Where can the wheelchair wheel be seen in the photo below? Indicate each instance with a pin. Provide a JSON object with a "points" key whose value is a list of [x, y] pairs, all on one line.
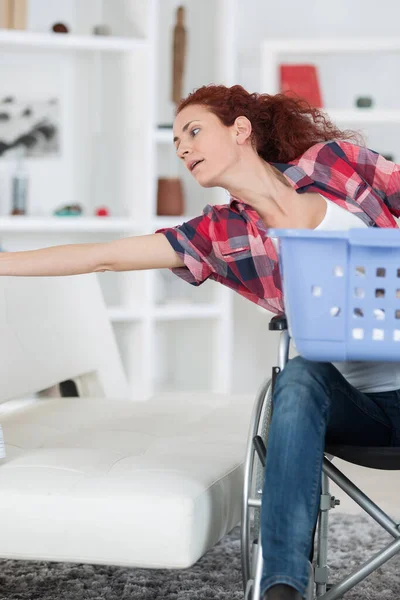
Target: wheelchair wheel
{"points": [[253, 485]]}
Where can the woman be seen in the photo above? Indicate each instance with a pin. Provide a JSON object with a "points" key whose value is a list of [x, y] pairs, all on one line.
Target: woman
{"points": [[284, 165]]}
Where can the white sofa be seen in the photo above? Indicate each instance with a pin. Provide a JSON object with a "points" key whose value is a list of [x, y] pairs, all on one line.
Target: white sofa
{"points": [[102, 478]]}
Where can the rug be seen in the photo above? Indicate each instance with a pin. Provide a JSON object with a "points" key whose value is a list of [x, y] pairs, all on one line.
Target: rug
{"points": [[217, 575]]}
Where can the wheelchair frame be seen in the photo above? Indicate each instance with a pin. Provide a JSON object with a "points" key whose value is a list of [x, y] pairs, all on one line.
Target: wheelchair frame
{"points": [[251, 545]]}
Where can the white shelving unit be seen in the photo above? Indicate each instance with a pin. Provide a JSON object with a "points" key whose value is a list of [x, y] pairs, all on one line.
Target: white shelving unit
{"points": [[19, 224], [365, 115], [163, 136], [273, 52], [170, 336], [212, 305], [30, 40]]}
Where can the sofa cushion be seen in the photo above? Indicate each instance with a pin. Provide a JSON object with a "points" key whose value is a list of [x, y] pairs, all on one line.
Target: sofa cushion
{"points": [[150, 484]]}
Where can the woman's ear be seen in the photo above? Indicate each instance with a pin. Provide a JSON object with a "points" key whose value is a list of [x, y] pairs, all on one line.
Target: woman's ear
{"points": [[242, 129]]}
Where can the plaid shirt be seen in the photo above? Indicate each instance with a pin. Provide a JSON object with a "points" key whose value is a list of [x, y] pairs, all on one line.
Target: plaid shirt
{"points": [[229, 243]]}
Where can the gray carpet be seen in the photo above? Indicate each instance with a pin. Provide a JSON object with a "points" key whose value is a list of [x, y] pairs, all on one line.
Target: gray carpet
{"points": [[217, 575]]}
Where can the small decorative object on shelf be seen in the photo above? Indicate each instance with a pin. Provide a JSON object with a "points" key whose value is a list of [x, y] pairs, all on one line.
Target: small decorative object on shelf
{"points": [[301, 81], [18, 14], [170, 200], [20, 185], [102, 211], [60, 28], [165, 127], [364, 102], [179, 51], [69, 210], [6, 14], [13, 14], [101, 30]]}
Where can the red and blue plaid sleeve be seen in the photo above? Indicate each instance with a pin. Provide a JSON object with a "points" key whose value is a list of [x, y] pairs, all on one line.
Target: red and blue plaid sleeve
{"points": [[381, 174], [191, 241]]}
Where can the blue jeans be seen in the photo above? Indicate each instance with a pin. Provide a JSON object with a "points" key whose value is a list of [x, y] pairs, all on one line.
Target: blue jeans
{"points": [[313, 404]]}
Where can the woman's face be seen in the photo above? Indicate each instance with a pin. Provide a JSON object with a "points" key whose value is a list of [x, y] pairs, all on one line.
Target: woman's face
{"points": [[200, 137]]}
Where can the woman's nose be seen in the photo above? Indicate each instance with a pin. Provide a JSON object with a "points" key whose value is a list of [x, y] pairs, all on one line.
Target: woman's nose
{"points": [[184, 150]]}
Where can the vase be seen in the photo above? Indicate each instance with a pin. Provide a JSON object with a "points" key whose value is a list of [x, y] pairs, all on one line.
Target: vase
{"points": [[170, 201]]}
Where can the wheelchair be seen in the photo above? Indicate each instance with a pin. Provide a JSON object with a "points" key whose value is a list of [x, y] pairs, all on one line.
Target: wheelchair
{"points": [[386, 458]]}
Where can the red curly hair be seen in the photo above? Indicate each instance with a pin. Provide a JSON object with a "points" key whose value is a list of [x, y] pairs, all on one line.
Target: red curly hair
{"points": [[283, 126]]}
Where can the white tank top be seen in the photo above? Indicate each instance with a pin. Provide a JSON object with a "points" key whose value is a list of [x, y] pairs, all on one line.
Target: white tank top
{"points": [[365, 376]]}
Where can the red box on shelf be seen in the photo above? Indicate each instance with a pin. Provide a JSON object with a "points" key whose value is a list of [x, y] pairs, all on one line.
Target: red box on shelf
{"points": [[301, 80]]}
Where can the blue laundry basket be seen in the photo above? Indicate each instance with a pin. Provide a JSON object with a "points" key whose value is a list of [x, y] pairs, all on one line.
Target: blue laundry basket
{"points": [[342, 292]]}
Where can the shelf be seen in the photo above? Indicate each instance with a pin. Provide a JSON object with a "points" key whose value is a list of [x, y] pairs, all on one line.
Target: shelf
{"points": [[87, 224], [159, 222], [364, 115], [336, 45], [177, 312], [164, 136], [68, 224], [67, 41], [117, 314], [172, 312]]}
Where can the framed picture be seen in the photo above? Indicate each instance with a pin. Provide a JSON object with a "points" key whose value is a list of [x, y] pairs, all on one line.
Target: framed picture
{"points": [[33, 124]]}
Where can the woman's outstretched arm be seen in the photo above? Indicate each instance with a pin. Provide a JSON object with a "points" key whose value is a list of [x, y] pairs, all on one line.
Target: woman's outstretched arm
{"points": [[126, 254]]}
